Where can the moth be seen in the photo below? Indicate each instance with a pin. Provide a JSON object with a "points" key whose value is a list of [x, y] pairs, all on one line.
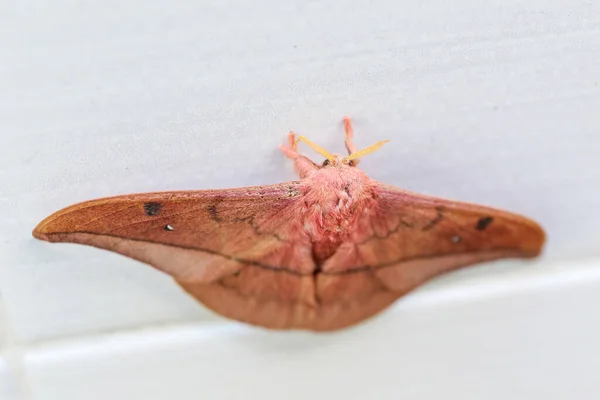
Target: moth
{"points": [[320, 253]]}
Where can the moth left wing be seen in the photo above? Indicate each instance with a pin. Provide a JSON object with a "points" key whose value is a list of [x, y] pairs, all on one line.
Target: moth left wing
{"points": [[191, 235], [238, 251]]}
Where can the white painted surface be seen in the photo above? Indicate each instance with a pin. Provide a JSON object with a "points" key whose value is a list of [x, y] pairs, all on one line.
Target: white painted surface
{"points": [[494, 102], [9, 387], [528, 342], [8, 384]]}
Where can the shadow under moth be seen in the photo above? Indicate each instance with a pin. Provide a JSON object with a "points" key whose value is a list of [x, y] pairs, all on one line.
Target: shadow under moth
{"points": [[320, 253]]}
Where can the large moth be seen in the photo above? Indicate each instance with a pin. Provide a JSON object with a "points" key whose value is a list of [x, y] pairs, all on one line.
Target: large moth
{"points": [[320, 253]]}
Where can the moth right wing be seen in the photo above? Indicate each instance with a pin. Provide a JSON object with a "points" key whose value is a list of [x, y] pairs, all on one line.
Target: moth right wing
{"points": [[409, 239]]}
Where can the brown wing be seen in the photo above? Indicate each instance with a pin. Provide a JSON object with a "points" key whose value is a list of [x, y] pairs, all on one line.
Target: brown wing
{"points": [[191, 235], [243, 253], [239, 251], [412, 238]]}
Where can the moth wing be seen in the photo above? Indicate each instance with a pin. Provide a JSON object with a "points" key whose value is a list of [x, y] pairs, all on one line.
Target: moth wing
{"points": [[410, 238], [237, 251], [241, 252]]}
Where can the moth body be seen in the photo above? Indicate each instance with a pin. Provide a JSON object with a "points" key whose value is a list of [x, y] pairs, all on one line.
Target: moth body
{"points": [[333, 198]]}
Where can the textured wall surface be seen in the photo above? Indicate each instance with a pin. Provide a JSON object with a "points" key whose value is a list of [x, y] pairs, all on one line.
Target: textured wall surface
{"points": [[494, 102]]}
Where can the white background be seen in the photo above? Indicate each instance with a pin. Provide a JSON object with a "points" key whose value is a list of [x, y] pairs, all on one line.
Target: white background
{"points": [[494, 102]]}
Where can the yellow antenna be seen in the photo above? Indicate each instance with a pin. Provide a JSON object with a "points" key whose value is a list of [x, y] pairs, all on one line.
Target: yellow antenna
{"points": [[315, 147], [365, 151]]}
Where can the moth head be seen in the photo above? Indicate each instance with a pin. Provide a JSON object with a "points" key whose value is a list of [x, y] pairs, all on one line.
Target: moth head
{"points": [[338, 161], [335, 160]]}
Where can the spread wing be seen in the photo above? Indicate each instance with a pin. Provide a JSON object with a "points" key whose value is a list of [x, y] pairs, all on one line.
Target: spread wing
{"points": [[191, 235], [411, 238], [239, 251], [244, 253]]}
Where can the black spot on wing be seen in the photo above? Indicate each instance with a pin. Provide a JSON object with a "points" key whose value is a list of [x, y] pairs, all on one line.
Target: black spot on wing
{"points": [[483, 223], [152, 208]]}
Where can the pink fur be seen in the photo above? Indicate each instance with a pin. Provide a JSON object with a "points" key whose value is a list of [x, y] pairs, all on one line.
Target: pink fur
{"points": [[334, 197]]}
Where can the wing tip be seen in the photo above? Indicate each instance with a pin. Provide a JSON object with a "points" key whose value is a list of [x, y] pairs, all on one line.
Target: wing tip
{"points": [[42, 232], [58, 225], [51, 228], [38, 234], [537, 241]]}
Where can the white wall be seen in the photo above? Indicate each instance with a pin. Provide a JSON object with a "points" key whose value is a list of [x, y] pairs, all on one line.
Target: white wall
{"points": [[494, 102]]}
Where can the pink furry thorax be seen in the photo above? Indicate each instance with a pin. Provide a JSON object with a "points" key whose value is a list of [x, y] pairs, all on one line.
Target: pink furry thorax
{"points": [[334, 198]]}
